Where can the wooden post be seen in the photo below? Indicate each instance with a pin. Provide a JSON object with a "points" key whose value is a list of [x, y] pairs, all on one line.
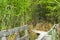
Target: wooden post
{"points": [[26, 33], [4, 35], [54, 32], [4, 38], [17, 35], [47, 37]]}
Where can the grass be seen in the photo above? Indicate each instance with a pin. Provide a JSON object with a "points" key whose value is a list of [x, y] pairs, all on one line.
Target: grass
{"points": [[11, 37]]}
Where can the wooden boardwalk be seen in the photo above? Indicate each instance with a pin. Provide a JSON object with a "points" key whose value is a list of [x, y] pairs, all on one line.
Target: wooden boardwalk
{"points": [[5, 33], [49, 35]]}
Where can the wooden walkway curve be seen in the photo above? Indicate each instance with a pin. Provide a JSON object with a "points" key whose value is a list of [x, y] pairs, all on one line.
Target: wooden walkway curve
{"points": [[49, 35], [46, 36]]}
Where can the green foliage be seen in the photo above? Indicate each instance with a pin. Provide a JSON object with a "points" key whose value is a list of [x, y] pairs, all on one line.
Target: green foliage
{"points": [[14, 12]]}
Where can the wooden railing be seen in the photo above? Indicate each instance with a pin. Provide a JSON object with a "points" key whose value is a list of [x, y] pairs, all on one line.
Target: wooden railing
{"points": [[49, 35], [5, 33], [52, 33]]}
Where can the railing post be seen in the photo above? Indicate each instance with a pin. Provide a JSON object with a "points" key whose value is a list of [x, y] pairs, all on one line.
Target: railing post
{"points": [[47, 37], [4, 35], [26, 33], [4, 38], [17, 34], [54, 32]]}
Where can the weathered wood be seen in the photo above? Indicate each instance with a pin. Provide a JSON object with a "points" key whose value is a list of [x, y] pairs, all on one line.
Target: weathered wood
{"points": [[5, 33], [47, 37], [4, 38], [26, 33], [53, 32]]}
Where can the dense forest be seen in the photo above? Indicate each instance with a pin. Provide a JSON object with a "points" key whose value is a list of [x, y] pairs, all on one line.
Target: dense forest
{"points": [[14, 13]]}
